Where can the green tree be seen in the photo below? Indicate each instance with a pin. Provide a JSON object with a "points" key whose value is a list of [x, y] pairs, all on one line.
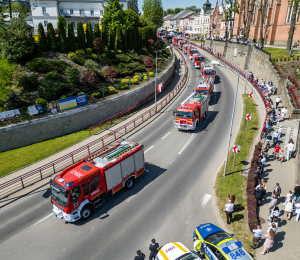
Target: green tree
{"points": [[51, 38], [138, 38], [89, 36], [112, 40], [134, 39], [97, 31], [129, 39], [71, 38], [104, 34], [295, 12], [143, 22], [177, 10], [153, 12], [119, 39], [170, 11], [80, 37], [131, 19], [17, 7], [125, 39], [133, 5], [114, 15], [16, 42], [143, 37], [61, 25], [73, 75], [42, 38]]}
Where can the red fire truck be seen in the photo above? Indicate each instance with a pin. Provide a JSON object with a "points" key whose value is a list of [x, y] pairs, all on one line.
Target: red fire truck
{"points": [[191, 112], [186, 47], [182, 43], [198, 60], [175, 40], [206, 86], [191, 52], [208, 71], [81, 188]]}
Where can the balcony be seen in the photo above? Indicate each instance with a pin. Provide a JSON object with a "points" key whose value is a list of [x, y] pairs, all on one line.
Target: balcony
{"points": [[82, 14]]}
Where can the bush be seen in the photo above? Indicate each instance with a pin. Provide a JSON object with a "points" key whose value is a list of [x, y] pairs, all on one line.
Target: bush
{"points": [[123, 58], [118, 51], [112, 51], [105, 48], [134, 81], [63, 97], [96, 95], [98, 44], [111, 90], [91, 65], [43, 65], [78, 59], [89, 50], [71, 54], [148, 61], [90, 79], [151, 74], [28, 83], [73, 75], [40, 101], [125, 81], [144, 49], [122, 86], [103, 55], [109, 73], [94, 56], [53, 86], [80, 93], [80, 52]]}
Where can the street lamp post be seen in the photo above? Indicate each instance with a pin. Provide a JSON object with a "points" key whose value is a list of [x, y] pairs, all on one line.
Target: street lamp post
{"points": [[232, 117], [168, 47]]}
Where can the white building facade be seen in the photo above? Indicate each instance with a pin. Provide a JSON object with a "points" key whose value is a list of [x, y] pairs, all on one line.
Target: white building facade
{"points": [[85, 11]]}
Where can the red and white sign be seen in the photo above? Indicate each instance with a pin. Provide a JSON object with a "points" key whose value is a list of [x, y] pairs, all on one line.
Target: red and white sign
{"points": [[251, 95], [235, 149], [159, 87], [248, 116]]}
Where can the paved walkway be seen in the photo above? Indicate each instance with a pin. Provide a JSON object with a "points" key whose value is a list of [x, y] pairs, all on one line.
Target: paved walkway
{"points": [[286, 244]]}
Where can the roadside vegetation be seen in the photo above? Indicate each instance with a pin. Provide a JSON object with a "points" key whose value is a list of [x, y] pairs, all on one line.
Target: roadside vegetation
{"points": [[281, 54], [234, 182]]}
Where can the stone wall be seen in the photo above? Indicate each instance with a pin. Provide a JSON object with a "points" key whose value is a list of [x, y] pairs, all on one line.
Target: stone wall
{"points": [[33, 131]]}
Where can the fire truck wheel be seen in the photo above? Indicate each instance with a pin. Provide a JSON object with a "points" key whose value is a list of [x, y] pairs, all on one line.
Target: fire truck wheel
{"points": [[86, 212], [129, 183]]}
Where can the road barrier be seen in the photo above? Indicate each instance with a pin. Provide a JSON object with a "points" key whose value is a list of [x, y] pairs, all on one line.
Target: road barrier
{"points": [[69, 159]]}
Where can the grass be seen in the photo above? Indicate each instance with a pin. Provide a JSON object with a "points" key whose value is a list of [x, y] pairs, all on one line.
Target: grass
{"points": [[280, 53], [6, 70], [234, 182], [35, 152]]}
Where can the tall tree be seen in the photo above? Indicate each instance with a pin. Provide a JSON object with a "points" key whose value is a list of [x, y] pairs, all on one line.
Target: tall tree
{"points": [[80, 37], [131, 19], [71, 38], [51, 38], [133, 5], [114, 15], [119, 39], [263, 4], [230, 8], [112, 40], [61, 25], [125, 40], [143, 22], [153, 12], [104, 34], [129, 39], [89, 36], [296, 7], [138, 37], [42, 38], [134, 38], [97, 31]]}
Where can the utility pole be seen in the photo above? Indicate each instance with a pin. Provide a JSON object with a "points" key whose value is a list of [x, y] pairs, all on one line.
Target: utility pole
{"points": [[10, 14]]}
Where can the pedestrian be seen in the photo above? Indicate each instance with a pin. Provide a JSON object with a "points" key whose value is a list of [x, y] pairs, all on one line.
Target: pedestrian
{"points": [[275, 221], [262, 184], [272, 227], [263, 162], [266, 149], [274, 213], [257, 175], [280, 131], [283, 113], [175, 73], [154, 247], [272, 204], [268, 242], [289, 206], [257, 236], [278, 115], [140, 255], [281, 155], [289, 149], [287, 197], [197, 245], [181, 60], [277, 191], [296, 192], [277, 101], [275, 137], [229, 207], [273, 89], [259, 195], [297, 211], [269, 137]]}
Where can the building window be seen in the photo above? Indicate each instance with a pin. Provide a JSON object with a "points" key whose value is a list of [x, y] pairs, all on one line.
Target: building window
{"points": [[71, 11], [92, 12], [45, 23], [43, 10], [61, 11], [289, 14], [101, 12]]}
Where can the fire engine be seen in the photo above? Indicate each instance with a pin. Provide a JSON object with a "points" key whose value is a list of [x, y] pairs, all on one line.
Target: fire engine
{"points": [[191, 52], [206, 86], [185, 48], [208, 70], [191, 112], [175, 40], [198, 60], [182, 43], [81, 188]]}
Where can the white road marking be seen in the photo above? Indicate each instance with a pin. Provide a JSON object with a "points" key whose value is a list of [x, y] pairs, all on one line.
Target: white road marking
{"points": [[43, 219], [146, 170], [166, 135], [130, 198], [172, 161], [149, 148], [204, 200], [187, 143]]}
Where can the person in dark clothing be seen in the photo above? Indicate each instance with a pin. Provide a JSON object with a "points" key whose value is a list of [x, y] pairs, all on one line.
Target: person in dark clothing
{"points": [[140, 255], [154, 247], [259, 194], [257, 175]]}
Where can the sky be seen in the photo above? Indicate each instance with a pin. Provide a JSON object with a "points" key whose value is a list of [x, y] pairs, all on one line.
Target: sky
{"points": [[179, 3]]}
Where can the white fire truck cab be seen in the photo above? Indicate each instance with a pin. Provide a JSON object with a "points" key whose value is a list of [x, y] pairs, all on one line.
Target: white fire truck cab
{"points": [[175, 251]]}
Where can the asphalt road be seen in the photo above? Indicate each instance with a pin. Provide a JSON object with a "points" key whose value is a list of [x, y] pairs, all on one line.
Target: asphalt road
{"points": [[167, 202]]}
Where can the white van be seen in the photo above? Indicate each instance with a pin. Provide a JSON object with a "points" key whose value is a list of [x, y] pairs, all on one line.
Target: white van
{"points": [[175, 251]]}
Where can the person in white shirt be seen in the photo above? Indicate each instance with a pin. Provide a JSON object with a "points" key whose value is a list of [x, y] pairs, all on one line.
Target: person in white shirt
{"points": [[284, 113], [275, 221], [229, 208], [280, 130], [273, 226], [257, 236], [277, 101], [289, 149]]}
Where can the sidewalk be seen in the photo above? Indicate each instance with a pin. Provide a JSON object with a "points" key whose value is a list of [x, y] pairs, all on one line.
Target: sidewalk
{"points": [[18, 194], [286, 245]]}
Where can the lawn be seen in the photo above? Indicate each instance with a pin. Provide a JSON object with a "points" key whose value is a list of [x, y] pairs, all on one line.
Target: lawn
{"points": [[35, 152], [6, 70], [234, 182], [280, 53]]}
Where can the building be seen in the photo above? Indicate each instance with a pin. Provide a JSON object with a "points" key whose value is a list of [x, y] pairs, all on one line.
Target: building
{"points": [[202, 19], [215, 21], [191, 22], [278, 14], [48, 11], [13, 15], [175, 20], [167, 21], [184, 21]]}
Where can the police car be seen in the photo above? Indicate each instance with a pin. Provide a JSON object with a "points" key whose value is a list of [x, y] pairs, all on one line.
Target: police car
{"points": [[175, 251], [219, 245]]}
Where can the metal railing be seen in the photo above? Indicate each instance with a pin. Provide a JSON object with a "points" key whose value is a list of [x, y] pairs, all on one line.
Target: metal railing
{"points": [[69, 159]]}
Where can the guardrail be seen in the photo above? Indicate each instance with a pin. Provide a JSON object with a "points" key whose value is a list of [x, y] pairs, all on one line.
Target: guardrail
{"points": [[65, 161]]}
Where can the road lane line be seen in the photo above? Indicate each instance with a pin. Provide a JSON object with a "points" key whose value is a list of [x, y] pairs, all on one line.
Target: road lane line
{"points": [[43, 219], [149, 148], [172, 161], [187, 143], [204, 200], [130, 198], [166, 135]]}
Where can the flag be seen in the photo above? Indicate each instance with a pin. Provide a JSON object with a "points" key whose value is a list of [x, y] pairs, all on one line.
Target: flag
{"points": [[159, 87]]}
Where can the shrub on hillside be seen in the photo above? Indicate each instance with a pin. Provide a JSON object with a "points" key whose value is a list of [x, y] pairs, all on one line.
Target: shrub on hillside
{"points": [[123, 58], [73, 75], [94, 56], [78, 59], [80, 52], [90, 65], [28, 83], [40, 101], [148, 61], [111, 90], [109, 73], [90, 79], [43, 65], [71, 54], [89, 50]]}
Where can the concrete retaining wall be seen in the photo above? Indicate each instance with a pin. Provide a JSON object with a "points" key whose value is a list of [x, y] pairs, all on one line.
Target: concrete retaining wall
{"points": [[34, 131]]}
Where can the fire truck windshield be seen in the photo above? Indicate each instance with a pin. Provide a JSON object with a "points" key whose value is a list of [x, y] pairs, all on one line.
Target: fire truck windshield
{"points": [[60, 196], [202, 91], [209, 72], [183, 114], [194, 51], [200, 59]]}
